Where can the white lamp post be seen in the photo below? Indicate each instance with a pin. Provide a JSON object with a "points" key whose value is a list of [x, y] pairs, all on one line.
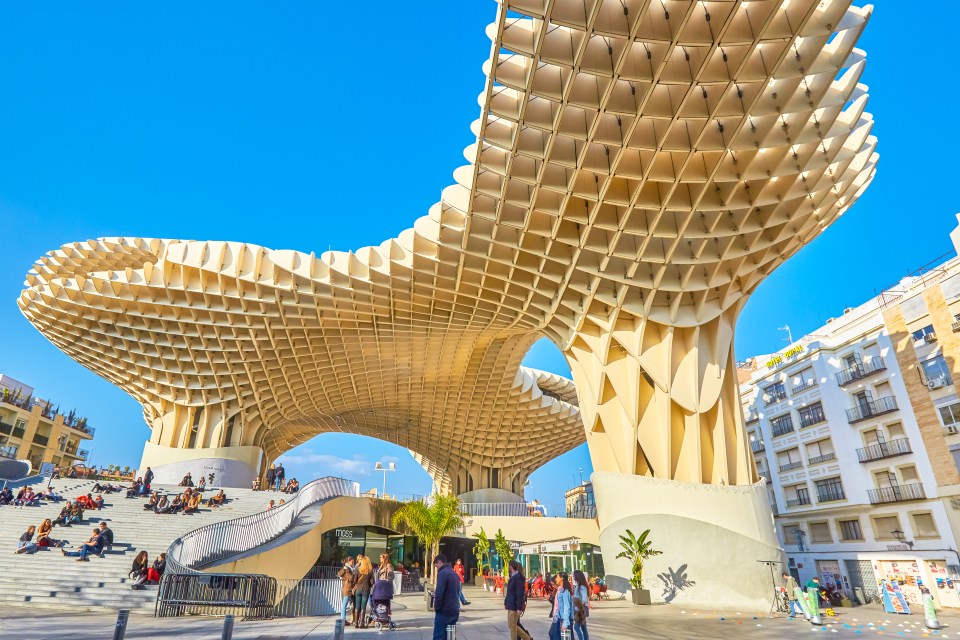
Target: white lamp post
{"points": [[380, 467]]}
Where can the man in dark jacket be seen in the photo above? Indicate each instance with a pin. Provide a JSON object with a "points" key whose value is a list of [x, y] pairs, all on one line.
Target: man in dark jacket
{"points": [[446, 600], [515, 602]]}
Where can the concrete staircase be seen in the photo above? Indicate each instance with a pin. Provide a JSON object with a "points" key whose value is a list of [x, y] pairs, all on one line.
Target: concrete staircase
{"points": [[47, 579]]}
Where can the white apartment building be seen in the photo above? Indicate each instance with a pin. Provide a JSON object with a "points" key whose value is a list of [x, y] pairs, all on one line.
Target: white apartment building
{"points": [[857, 429]]}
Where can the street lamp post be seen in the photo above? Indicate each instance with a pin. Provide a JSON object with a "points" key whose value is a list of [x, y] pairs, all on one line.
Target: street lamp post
{"points": [[901, 538], [380, 467]]}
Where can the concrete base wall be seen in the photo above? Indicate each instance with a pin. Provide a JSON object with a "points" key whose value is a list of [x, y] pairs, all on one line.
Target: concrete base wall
{"points": [[232, 466], [713, 538]]}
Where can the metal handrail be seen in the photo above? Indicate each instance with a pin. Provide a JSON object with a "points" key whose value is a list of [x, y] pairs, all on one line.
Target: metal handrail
{"points": [[870, 408], [860, 370], [884, 450], [525, 509], [216, 542]]}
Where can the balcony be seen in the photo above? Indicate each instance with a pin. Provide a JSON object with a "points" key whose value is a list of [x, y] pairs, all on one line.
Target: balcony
{"points": [[803, 386], [830, 494], [883, 450], [955, 326], [790, 466], [781, 425], [826, 457], [897, 493], [871, 408], [757, 446], [810, 416], [41, 441], [798, 502], [773, 397], [860, 370]]}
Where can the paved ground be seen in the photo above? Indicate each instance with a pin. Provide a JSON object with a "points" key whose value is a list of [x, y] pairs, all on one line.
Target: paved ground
{"points": [[484, 620]]}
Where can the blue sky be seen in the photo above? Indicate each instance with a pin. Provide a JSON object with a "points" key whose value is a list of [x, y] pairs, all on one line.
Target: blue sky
{"points": [[286, 124]]}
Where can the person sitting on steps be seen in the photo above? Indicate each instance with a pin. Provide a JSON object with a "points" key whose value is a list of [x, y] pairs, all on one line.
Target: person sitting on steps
{"points": [[155, 572], [202, 485], [175, 505], [162, 505], [136, 489], [187, 481], [194, 504], [139, 571], [26, 498], [107, 536], [98, 501], [217, 500], [152, 504], [26, 543], [6, 496], [43, 535], [93, 545]]}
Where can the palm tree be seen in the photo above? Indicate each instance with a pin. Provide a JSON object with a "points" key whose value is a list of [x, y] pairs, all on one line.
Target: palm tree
{"points": [[636, 549], [430, 520]]}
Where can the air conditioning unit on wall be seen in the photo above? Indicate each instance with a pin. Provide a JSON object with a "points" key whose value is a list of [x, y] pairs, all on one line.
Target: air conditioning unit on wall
{"points": [[930, 337]]}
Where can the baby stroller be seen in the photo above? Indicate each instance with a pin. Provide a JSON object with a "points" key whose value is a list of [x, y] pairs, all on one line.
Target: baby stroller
{"points": [[380, 598]]}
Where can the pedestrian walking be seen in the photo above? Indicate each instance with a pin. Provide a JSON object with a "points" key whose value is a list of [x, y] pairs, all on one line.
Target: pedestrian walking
{"points": [[790, 584], [347, 580], [278, 476], [562, 606], [459, 570], [446, 601], [515, 602], [581, 605]]}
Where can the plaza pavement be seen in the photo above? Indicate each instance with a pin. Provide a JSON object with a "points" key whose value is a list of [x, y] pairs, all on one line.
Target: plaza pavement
{"points": [[484, 619]]}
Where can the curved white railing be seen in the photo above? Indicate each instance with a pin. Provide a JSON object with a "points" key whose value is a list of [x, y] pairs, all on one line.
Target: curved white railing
{"points": [[217, 542]]}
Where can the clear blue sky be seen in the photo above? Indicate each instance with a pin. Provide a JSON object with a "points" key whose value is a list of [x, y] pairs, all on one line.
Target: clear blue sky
{"points": [[285, 124]]}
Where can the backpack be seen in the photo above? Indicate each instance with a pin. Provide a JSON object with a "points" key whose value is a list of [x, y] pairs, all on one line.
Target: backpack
{"points": [[581, 609]]}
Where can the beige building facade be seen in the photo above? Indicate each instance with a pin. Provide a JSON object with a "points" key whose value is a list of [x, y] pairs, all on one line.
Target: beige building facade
{"points": [[31, 429], [637, 173]]}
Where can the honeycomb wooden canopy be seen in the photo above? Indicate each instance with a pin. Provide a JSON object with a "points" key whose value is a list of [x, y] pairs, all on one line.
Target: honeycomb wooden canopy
{"points": [[640, 167]]}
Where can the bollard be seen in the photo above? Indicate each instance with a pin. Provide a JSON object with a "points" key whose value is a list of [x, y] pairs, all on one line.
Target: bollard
{"points": [[814, 594], [338, 630], [929, 612], [121, 629], [227, 627], [451, 632]]}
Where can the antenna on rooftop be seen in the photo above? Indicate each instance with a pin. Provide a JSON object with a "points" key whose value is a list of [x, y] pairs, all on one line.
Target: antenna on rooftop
{"points": [[786, 328]]}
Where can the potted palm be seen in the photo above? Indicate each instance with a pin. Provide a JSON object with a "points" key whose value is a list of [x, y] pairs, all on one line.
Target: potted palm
{"points": [[636, 549], [430, 520], [481, 550]]}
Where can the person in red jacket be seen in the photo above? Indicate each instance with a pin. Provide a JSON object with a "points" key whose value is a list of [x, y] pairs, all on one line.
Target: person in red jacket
{"points": [[458, 569]]}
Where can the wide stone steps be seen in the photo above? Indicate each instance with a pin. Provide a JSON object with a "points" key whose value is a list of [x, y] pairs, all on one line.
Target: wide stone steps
{"points": [[47, 579]]}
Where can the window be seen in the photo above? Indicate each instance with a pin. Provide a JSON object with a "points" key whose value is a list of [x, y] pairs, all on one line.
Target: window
{"points": [[789, 459], [774, 393], [922, 333], [811, 415], [884, 526], [803, 380], [829, 489], [781, 425], [895, 430], [950, 416], [850, 530], [820, 532], [955, 452], [797, 495], [820, 451], [924, 526], [792, 533], [936, 374], [908, 474]]}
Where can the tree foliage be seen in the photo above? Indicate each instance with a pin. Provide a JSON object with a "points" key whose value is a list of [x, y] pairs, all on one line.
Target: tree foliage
{"points": [[430, 520], [636, 549], [481, 550], [502, 545]]}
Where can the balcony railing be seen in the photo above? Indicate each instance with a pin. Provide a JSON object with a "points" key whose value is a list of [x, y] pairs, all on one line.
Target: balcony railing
{"points": [[897, 493], [790, 466], [773, 397], [826, 457], [527, 509], [883, 450], [871, 408], [803, 386], [955, 326], [798, 502], [41, 440], [757, 446], [860, 370], [830, 494], [781, 427]]}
